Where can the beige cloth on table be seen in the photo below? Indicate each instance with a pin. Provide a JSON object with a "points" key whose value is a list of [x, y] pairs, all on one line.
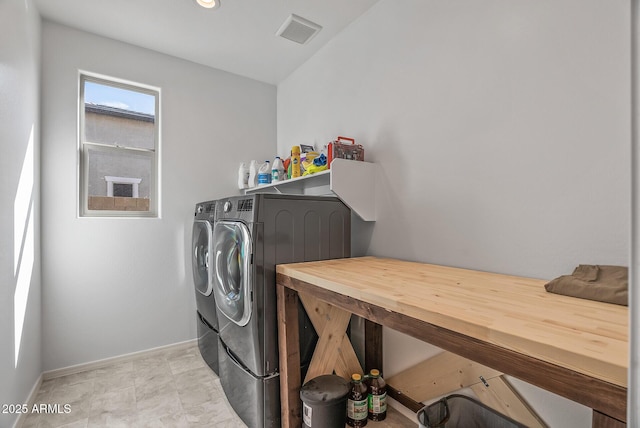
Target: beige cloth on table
{"points": [[608, 284]]}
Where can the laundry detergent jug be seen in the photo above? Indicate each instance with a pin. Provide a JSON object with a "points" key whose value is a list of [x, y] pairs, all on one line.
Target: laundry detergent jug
{"points": [[264, 173]]}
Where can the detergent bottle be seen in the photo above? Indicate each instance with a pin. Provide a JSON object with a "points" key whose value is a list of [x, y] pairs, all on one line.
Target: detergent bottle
{"points": [[277, 170], [295, 161], [264, 173], [243, 176], [253, 174]]}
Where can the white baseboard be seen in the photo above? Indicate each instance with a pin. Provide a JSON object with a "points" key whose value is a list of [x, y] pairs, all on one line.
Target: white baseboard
{"points": [[65, 371], [52, 374], [30, 401]]}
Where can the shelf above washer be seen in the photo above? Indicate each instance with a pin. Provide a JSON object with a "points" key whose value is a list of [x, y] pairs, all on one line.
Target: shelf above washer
{"points": [[351, 181]]}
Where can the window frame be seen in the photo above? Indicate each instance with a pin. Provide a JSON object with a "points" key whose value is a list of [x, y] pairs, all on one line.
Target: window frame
{"points": [[83, 148]]}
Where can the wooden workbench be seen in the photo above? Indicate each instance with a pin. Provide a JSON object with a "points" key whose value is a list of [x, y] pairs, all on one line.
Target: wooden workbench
{"points": [[573, 347]]}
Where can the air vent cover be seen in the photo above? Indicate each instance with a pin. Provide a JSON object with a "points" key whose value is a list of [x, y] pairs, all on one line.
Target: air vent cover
{"points": [[298, 29], [245, 204]]}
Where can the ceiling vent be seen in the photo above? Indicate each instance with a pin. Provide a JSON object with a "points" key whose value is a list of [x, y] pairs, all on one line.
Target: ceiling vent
{"points": [[298, 29]]}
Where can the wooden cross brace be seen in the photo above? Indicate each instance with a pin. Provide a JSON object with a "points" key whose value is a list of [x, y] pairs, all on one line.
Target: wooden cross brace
{"points": [[334, 351]]}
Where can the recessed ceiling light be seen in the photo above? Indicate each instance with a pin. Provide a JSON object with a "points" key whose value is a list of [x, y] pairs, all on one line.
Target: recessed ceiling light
{"points": [[209, 4]]}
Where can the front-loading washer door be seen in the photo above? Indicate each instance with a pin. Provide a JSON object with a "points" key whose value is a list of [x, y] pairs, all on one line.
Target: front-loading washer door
{"points": [[232, 267], [202, 247]]}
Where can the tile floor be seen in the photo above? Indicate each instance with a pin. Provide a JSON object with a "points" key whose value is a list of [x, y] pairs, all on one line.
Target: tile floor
{"points": [[172, 388]]}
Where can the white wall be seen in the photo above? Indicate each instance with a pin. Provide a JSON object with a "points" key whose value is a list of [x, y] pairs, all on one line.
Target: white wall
{"points": [[502, 133], [20, 290], [115, 286]]}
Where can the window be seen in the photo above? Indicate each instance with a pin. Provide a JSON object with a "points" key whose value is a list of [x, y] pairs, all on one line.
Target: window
{"points": [[118, 148]]}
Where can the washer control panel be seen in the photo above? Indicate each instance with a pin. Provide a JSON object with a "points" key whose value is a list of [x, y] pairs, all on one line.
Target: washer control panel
{"points": [[236, 208]]}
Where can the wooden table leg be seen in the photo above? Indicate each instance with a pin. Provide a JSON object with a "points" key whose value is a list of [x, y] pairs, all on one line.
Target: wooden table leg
{"points": [[372, 346], [289, 349], [600, 420]]}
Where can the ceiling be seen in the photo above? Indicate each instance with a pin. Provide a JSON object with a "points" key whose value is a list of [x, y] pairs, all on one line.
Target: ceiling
{"points": [[239, 37]]}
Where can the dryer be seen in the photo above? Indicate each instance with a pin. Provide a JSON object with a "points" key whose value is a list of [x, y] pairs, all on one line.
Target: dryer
{"points": [[202, 251], [251, 235]]}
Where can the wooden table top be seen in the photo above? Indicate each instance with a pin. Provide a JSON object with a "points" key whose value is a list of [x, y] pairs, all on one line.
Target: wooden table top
{"points": [[508, 311]]}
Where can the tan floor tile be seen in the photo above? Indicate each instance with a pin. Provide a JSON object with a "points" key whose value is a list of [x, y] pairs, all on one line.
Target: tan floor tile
{"points": [[122, 401], [77, 412], [31, 421], [72, 393], [148, 378], [211, 413], [149, 388], [231, 423], [179, 353], [113, 420], [78, 424], [163, 403], [115, 369], [42, 396], [173, 389], [185, 363], [199, 394], [114, 382], [198, 376], [48, 385], [218, 385], [168, 421], [148, 362], [75, 378]]}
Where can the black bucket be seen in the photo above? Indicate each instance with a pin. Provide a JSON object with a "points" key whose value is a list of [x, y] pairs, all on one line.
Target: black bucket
{"points": [[324, 402], [460, 411]]}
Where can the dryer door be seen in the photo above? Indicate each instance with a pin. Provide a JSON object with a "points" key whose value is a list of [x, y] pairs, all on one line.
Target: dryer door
{"points": [[232, 279], [201, 262]]}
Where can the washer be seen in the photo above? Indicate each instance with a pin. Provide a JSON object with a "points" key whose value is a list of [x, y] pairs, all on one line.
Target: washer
{"points": [[202, 251], [251, 235]]}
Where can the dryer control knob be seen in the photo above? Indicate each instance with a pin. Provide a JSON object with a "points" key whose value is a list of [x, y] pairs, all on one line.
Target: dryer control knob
{"points": [[227, 206], [200, 209]]}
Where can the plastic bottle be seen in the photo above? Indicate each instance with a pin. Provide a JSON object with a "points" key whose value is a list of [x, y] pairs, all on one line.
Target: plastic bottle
{"points": [[277, 170], [357, 404], [243, 176], [264, 173], [295, 161], [377, 396], [253, 174]]}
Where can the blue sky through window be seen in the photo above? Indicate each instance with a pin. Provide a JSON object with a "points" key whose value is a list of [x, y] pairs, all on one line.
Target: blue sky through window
{"points": [[117, 97]]}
